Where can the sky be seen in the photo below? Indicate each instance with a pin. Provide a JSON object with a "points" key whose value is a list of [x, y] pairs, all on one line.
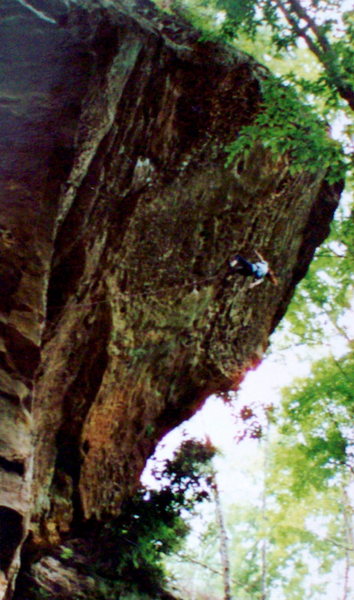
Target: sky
{"points": [[216, 420], [264, 386], [235, 465], [261, 386]]}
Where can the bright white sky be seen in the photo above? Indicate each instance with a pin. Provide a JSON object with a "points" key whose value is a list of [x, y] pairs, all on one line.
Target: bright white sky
{"points": [[261, 386], [236, 462], [216, 421]]}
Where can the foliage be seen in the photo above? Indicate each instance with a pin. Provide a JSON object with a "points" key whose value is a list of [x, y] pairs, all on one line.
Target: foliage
{"points": [[298, 102], [125, 558], [325, 294], [304, 522], [322, 25], [278, 537], [66, 553], [153, 523], [288, 127], [250, 419], [316, 419], [317, 411], [300, 533]]}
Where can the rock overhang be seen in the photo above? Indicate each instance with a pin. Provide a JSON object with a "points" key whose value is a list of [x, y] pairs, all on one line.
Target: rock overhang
{"points": [[118, 218]]}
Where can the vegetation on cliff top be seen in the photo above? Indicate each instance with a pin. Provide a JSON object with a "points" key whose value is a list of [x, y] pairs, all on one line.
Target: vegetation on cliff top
{"points": [[305, 514], [309, 48]]}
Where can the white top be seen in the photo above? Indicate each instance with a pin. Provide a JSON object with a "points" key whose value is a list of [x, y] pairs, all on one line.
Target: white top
{"points": [[260, 269]]}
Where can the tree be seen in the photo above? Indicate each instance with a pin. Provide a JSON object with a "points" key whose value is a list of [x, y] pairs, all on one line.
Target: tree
{"points": [[224, 551], [297, 104], [313, 455], [312, 452], [299, 559], [325, 28], [324, 297], [154, 522], [317, 416], [303, 516]]}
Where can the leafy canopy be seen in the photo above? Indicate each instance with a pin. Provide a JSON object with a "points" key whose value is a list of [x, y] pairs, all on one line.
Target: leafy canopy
{"points": [[298, 100], [153, 523], [288, 127]]}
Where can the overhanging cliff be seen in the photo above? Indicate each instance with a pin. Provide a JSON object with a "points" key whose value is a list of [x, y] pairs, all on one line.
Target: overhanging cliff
{"points": [[117, 219]]}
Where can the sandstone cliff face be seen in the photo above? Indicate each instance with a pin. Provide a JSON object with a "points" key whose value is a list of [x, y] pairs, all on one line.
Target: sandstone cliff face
{"points": [[117, 219]]}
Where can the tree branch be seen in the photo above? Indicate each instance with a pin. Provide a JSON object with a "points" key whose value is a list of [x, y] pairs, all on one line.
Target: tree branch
{"points": [[322, 49]]}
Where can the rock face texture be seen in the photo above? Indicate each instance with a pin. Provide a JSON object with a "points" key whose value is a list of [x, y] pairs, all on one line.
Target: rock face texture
{"points": [[117, 219]]}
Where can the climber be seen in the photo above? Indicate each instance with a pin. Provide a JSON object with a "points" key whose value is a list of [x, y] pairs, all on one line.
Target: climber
{"points": [[257, 270]]}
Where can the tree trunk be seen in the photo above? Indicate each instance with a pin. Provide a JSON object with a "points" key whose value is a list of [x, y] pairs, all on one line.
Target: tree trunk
{"points": [[223, 539], [319, 45], [264, 542], [349, 545]]}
